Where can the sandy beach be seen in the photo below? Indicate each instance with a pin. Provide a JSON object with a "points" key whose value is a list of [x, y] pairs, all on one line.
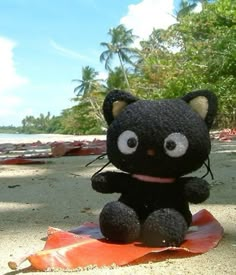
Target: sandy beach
{"points": [[58, 194]]}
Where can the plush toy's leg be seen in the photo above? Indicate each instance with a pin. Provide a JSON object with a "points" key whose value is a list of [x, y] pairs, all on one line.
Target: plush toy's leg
{"points": [[164, 227], [119, 223]]}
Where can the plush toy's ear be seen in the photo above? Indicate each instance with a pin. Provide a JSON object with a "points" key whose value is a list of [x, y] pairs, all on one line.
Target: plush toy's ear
{"points": [[115, 102], [203, 102]]}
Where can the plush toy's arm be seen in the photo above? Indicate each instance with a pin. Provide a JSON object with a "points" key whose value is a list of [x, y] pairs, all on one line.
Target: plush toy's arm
{"points": [[196, 190], [110, 182]]}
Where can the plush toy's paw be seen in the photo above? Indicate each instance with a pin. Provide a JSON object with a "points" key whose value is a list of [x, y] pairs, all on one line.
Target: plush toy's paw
{"points": [[196, 190], [164, 227], [100, 183], [119, 223]]}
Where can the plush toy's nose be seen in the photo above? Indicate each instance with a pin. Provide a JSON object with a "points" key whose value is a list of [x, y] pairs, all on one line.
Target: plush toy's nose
{"points": [[151, 152]]}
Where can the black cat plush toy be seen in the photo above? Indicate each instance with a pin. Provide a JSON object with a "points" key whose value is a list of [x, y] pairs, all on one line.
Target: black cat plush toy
{"points": [[155, 143]]}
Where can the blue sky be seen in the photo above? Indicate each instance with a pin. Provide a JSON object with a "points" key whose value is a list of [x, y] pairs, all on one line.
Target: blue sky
{"points": [[45, 43]]}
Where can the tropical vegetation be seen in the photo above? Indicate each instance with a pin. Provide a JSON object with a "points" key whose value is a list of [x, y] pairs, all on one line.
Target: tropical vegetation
{"points": [[197, 52]]}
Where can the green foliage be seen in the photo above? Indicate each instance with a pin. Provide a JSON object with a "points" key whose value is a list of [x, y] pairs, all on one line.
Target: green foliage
{"points": [[197, 52], [10, 129], [84, 118], [116, 79], [41, 124], [185, 7]]}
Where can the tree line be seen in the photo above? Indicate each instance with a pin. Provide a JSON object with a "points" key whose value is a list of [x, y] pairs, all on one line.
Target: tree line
{"points": [[197, 52]]}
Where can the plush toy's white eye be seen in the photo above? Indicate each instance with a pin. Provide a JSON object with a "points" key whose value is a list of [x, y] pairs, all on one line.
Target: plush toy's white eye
{"points": [[127, 142], [176, 145]]}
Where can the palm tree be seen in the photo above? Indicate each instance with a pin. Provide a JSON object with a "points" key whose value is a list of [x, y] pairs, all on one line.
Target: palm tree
{"points": [[121, 40], [186, 7], [116, 79], [88, 82], [89, 90]]}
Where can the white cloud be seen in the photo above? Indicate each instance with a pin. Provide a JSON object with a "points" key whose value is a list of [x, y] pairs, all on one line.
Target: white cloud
{"points": [[8, 105], [147, 15], [9, 77], [67, 52], [102, 75], [9, 80], [198, 8]]}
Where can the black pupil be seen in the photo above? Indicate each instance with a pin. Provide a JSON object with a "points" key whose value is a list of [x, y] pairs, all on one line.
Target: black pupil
{"points": [[132, 142], [170, 145]]}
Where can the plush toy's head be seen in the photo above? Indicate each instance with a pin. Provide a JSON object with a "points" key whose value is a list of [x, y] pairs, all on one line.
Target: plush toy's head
{"points": [[161, 138]]}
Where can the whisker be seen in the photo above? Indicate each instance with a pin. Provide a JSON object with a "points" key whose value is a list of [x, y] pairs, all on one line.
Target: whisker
{"points": [[207, 165], [98, 158]]}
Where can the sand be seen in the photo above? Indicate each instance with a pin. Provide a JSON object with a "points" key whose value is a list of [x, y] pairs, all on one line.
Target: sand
{"points": [[59, 194]]}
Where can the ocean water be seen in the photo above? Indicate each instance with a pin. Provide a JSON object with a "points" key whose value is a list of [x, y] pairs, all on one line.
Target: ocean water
{"points": [[19, 136], [29, 138], [26, 138]]}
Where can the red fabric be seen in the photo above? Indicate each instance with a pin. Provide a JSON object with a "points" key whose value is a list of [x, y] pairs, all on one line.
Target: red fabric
{"points": [[67, 250], [226, 135], [19, 160]]}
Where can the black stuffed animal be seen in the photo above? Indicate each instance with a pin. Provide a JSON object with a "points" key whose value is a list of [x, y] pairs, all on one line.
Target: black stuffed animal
{"points": [[156, 143]]}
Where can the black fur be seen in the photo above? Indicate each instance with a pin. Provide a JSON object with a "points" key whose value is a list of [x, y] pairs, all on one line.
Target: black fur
{"points": [[165, 139]]}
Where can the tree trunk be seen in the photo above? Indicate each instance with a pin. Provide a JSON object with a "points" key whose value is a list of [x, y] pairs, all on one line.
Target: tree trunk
{"points": [[123, 69]]}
